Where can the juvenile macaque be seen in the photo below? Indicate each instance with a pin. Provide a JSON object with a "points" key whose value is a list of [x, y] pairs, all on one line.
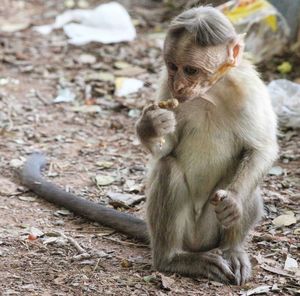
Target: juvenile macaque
{"points": [[203, 194], [202, 189]]}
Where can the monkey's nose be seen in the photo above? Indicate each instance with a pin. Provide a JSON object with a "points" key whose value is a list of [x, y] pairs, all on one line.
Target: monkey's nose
{"points": [[178, 87]]}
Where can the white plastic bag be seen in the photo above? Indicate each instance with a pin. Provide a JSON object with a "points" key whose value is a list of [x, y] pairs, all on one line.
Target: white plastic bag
{"points": [[108, 23], [285, 96]]}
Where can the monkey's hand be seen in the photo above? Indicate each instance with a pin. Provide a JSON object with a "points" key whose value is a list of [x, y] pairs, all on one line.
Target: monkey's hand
{"points": [[228, 207], [155, 123]]}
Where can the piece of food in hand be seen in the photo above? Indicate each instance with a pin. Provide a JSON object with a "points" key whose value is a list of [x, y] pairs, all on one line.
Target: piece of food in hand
{"points": [[168, 104]]}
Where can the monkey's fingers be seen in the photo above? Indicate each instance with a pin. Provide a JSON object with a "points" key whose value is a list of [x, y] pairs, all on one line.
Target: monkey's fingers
{"points": [[219, 269], [218, 197], [150, 107]]}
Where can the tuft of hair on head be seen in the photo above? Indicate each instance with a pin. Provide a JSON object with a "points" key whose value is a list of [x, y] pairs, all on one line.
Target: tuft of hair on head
{"points": [[206, 24]]}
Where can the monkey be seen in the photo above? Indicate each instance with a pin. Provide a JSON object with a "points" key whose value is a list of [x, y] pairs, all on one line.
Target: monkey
{"points": [[202, 187]]}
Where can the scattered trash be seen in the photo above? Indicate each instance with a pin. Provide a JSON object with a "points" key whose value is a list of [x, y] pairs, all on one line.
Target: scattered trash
{"points": [[108, 23], [290, 264], [267, 30], [32, 237], [65, 95], [285, 220], [285, 97], [276, 171], [125, 86], [134, 113], [33, 232], [285, 68]]}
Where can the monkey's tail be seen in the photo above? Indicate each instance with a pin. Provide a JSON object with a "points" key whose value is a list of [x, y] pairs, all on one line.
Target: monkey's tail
{"points": [[31, 177]]}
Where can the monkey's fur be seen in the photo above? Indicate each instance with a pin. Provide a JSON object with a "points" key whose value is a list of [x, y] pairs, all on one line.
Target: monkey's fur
{"points": [[202, 188]]}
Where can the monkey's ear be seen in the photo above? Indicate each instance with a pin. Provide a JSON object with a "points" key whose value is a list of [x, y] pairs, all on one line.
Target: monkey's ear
{"points": [[235, 49]]}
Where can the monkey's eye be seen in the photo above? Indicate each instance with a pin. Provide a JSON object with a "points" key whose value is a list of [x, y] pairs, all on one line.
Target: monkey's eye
{"points": [[190, 71], [172, 66]]}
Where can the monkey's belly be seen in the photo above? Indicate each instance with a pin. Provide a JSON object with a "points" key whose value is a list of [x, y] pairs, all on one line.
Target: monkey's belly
{"points": [[206, 169], [202, 234]]}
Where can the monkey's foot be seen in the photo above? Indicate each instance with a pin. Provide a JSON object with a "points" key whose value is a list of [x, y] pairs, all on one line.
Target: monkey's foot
{"points": [[217, 268], [240, 264]]}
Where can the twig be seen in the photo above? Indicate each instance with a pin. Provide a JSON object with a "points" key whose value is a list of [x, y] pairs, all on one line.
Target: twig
{"points": [[125, 243], [73, 242], [9, 115], [82, 256], [39, 96]]}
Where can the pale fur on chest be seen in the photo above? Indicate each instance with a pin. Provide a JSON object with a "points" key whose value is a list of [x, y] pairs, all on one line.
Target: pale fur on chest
{"points": [[207, 147]]}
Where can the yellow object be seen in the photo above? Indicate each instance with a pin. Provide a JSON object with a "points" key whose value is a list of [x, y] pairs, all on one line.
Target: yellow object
{"points": [[246, 8], [285, 68]]}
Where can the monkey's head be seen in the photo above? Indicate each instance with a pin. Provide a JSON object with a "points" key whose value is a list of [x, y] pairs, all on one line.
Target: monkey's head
{"points": [[201, 45]]}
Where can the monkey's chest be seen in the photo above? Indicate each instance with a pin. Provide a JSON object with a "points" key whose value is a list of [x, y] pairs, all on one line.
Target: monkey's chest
{"points": [[207, 157]]}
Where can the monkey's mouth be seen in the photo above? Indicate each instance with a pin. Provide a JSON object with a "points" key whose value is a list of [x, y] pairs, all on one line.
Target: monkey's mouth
{"points": [[182, 99]]}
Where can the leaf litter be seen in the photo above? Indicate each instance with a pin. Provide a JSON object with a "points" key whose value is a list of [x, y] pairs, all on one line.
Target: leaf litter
{"points": [[98, 127]]}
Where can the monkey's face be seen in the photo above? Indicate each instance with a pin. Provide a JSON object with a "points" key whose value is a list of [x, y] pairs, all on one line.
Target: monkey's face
{"points": [[192, 70]]}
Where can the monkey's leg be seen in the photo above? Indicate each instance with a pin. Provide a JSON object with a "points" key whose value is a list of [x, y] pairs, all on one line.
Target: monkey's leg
{"points": [[233, 238], [167, 213]]}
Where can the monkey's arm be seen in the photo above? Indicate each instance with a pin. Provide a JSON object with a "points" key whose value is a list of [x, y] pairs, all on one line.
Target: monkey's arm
{"points": [[31, 177], [252, 168], [155, 128], [259, 137]]}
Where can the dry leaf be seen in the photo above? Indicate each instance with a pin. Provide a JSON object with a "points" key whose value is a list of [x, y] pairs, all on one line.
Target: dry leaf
{"points": [[285, 220], [87, 109], [102, 180], [104, 164], [275, 270], [7, 187], [125, 199], [258, 290], [167, 282], [27, 198]]}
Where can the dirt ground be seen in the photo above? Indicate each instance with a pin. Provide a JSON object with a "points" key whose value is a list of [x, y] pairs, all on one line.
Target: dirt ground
{"points": [[94, 136]]}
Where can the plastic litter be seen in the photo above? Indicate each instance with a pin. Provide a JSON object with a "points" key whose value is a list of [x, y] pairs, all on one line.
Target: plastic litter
{"points": [[267, 31], [108, 23], [64, 95], [285, 96], [125, 86]]}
